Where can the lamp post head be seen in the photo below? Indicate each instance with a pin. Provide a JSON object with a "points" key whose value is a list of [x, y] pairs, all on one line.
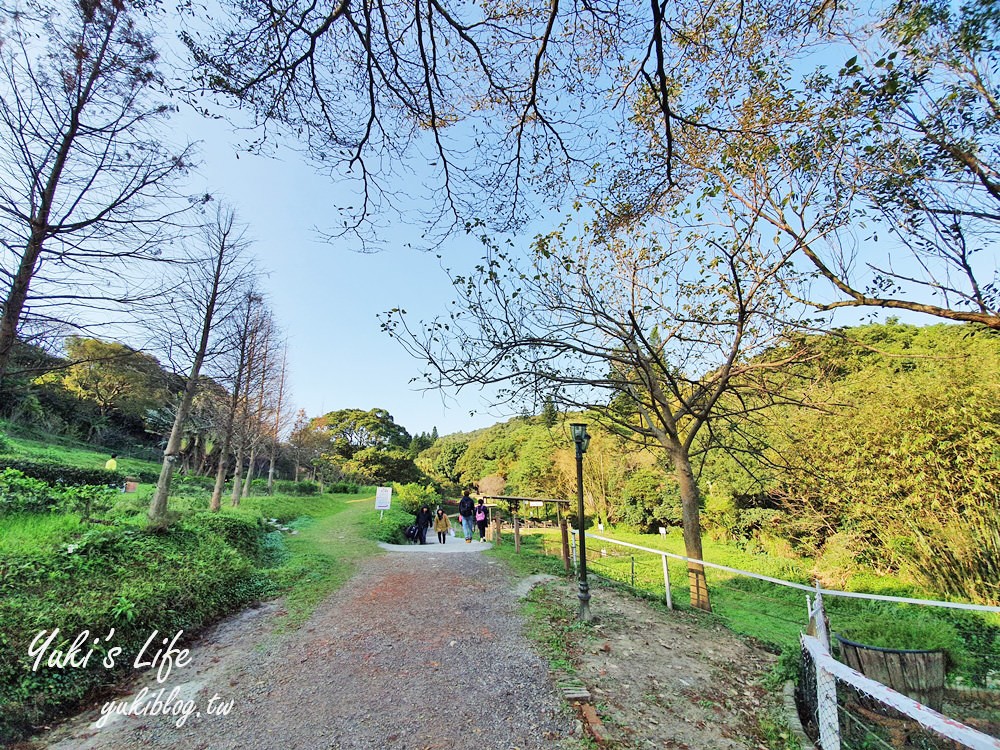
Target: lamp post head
{"points": [[579, 432]]}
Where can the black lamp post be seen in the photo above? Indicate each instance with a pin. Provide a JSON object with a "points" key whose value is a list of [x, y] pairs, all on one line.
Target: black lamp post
{"points": [[582, 440]]}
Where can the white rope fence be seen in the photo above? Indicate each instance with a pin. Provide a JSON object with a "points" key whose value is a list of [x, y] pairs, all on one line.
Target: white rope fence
{"points": [[789, 584], [829, 671]]}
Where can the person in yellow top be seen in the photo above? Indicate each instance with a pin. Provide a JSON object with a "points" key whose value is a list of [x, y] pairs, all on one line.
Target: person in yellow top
{"points": [[442, 524], [112, 463]]}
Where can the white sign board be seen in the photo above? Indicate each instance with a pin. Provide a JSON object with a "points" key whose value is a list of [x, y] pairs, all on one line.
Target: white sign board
{"points": [[383, 498], [535, 504]]}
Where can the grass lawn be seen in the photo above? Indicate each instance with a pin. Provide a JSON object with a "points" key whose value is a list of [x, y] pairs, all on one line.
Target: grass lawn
{"points": [[324, 552], [771, 613]]}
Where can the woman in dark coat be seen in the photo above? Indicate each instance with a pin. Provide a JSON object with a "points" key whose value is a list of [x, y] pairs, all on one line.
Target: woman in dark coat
{"points": [[424, 520]]}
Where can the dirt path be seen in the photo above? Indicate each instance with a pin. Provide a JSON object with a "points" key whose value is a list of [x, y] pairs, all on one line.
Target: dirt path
{"points": [[418, 650], [426, 650]]}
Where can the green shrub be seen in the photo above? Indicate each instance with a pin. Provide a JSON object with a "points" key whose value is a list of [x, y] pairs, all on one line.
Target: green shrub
{"points": [[54, 473], [181, 578], [343, 488], [242, 532], [5, 446], [410, 497], [88, 500], [304, 488], [190, 485], [22, 494], [389, 528]]}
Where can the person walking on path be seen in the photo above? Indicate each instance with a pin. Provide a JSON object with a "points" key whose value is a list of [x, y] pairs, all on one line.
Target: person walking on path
{"points": [[481, 516], [466, 507], [424, 520], [442, 525]]}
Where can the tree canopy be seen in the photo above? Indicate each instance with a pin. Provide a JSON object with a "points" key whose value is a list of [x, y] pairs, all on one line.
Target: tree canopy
{"points": [[351, 430]]}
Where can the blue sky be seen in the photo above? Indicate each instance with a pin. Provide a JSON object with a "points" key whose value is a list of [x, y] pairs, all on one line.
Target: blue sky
{"points": [[327, 296]]}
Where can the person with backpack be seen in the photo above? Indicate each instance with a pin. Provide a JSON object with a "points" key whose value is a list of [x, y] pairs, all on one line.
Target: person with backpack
{"points": [[466, 508], [424, 520], [481, 519]]}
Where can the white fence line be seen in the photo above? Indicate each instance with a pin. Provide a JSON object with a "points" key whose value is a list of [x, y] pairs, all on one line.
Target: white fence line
{"points": [[801, 586], [925, 716]]}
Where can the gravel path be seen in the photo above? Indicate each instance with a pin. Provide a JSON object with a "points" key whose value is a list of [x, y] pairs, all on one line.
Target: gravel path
{"points": [[418, 650]]}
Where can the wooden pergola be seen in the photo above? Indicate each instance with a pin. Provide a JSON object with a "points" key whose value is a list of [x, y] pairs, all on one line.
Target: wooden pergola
{"points": [[513, 506]]}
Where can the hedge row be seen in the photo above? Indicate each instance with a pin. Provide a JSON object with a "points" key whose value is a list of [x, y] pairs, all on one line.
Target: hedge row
{"points": [[23, 494], [54, 473]]}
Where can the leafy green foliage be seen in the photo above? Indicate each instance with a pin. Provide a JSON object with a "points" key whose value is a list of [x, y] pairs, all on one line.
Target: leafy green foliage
{"points": [[244, 534], [883, 627], [57, 473], [387, 528], [895, 476], [440, 460], [113, 376], [23, 494], [343, 488], [351, 430], [382, 466], [182, 578], [649, 499], [305, 487], [408, 498]]}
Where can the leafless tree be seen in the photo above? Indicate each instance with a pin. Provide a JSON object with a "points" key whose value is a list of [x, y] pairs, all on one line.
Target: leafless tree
{"points": [[87, 186], [249, 375], [501, 108], [281, 418], [261, 404], [215, 275], [904, 143], [881, 168], [664, 334]]}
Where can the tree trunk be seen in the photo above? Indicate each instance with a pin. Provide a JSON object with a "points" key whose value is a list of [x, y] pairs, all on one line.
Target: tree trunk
{"points": [[158, 505], [16, 297], [277, 420], [215, 504], [237, 476], [270, 473], [250, 471], [691, 516]]}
